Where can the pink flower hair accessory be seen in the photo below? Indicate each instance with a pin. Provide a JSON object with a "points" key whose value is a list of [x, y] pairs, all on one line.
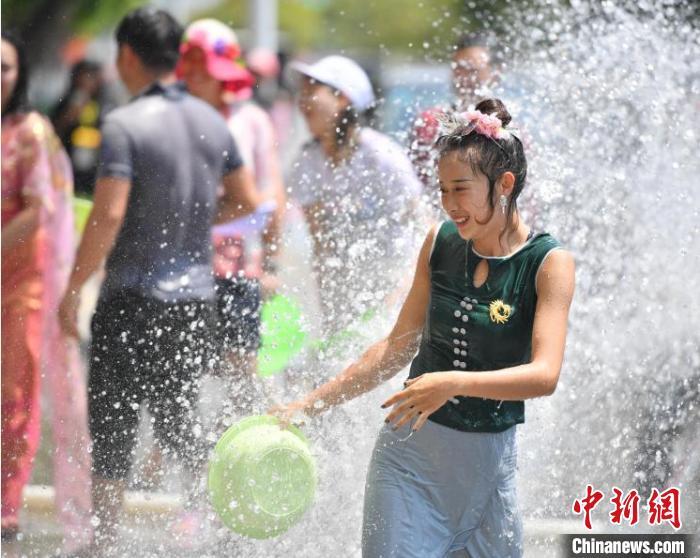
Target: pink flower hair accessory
{"points": [[484, 124], [464, 123]]}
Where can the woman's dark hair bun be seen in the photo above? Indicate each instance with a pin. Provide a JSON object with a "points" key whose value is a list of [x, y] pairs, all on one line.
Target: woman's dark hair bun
{"points": [[495, 107]]}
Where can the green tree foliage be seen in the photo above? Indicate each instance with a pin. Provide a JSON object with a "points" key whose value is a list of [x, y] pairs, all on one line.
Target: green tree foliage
{"points": [[418, 27], [412, 27], [47, 24], [83, 16]]}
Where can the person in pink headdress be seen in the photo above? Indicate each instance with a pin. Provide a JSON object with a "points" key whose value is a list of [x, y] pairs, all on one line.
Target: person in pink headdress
{"points": [[212, 69]]}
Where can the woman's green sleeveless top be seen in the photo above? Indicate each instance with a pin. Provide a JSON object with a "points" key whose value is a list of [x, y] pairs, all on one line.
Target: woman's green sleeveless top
{"points": [[479, 328]]}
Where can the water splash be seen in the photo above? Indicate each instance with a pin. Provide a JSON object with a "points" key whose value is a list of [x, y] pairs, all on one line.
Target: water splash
{"points": [[609, 97]]}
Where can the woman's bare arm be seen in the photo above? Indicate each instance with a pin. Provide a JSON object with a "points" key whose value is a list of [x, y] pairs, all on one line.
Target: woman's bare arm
{"points": [[383, 359]]}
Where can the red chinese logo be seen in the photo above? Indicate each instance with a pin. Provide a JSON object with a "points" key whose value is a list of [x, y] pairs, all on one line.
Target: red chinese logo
{"points": [[627, 508], [663, 506], [587, 504]]}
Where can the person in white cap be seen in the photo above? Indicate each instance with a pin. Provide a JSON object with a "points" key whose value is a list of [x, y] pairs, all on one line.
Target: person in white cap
{"points": [[357, 190]]}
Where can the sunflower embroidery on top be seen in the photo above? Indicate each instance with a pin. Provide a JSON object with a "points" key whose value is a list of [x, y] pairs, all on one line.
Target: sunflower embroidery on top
{"points": [[499, 311]]}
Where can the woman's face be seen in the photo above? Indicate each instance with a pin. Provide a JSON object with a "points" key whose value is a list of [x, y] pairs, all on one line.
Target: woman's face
{"points": [[89, 81], [320, 106], [465, 197], [10, 72]]}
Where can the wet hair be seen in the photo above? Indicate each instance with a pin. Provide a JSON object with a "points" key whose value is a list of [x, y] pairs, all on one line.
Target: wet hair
{"points": [[480, 40], [489, 156], [19, 101], [469, 40], [347, 120], [154, 35], [350, 118], [83, 67]]}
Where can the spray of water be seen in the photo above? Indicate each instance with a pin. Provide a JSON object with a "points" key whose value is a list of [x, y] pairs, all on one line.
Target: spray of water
{"points": [[614, 98], [609, 97]]}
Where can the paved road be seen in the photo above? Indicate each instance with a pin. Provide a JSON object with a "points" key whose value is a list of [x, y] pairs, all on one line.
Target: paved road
{"points": [[152, 539]]}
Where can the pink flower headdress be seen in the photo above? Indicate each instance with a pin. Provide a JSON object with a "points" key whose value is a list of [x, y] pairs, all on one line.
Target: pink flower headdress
{"points": [[464, 123]]}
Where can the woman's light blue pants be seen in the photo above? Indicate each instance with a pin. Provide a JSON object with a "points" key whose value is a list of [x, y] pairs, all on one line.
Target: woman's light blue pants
{"points": [[442, 493]]}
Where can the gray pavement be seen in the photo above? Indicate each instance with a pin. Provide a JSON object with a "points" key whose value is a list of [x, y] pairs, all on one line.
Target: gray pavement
{"points": [[150, 536]]}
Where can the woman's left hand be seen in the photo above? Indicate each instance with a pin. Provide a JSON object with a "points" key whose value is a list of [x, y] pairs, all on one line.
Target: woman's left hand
{"points": [[421, 397]]}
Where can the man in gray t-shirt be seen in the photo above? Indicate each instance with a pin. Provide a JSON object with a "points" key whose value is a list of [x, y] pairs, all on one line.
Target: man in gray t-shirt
{"points": [[165, 156], [174, 150]]}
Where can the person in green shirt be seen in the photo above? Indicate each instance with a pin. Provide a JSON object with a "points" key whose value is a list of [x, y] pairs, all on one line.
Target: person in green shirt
{"points": [[484, 327]]}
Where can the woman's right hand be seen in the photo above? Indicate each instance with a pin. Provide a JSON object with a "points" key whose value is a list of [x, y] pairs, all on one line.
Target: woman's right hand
{"points": [[291, 413], [68, 313]]}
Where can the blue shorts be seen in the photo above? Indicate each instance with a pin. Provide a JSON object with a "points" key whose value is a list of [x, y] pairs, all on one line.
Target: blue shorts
{"points": [[441, 492]]}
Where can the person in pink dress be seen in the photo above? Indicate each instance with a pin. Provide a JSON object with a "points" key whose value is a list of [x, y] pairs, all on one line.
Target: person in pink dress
{"points": [[37, 248]]}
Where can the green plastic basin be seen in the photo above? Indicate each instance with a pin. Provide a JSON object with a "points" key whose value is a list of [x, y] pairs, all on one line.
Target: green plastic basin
{"points": [[261, 478]]}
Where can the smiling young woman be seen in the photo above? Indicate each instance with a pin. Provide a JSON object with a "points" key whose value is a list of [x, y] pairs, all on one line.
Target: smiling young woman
{"points": [[487, 315]]}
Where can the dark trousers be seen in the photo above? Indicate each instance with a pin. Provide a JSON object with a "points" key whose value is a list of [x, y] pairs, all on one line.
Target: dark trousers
{"points": [[145, 351]]}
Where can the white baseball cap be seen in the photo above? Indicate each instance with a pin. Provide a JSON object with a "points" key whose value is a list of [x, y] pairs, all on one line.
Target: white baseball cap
{"points": [[342, 74]]}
